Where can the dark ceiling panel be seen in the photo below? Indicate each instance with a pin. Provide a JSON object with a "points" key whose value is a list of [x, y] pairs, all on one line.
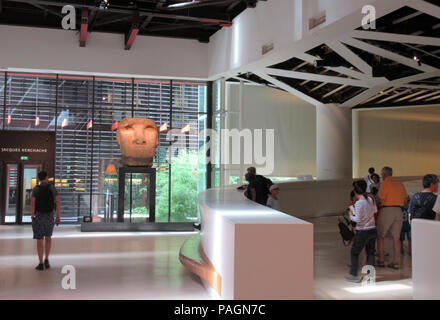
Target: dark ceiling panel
{"points": [[408, 21], [191, 22], [345, 93]]}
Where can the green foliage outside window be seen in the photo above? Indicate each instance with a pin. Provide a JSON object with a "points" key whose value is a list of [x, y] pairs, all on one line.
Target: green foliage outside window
{"points": [[184, 189]]}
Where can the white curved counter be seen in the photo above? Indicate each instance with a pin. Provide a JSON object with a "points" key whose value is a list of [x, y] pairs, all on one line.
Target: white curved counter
{"points": [[260, 253], [425, 259]]}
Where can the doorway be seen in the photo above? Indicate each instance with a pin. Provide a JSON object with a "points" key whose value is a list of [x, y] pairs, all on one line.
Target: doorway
{"points": [[18, 181]]}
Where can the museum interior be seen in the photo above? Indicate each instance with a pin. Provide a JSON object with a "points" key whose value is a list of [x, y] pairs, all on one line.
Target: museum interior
{"points": [[147, 114]]}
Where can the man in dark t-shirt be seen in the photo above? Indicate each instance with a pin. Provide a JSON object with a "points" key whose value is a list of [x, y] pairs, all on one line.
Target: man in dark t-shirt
{"points": [[263, 185], [426, 198], [43, 218], [256, 190]]}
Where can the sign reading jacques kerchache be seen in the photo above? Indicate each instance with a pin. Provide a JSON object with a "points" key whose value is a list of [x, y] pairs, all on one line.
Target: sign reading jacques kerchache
{"points": [[27, 150], [36, 146]]}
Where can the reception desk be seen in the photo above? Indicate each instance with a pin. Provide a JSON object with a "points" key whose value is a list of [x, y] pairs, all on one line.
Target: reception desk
{"points": [[425, 236], [251, 251]]}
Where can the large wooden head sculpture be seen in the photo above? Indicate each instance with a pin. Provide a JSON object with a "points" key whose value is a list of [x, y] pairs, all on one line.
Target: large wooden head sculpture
{"points": [[137, 139]]}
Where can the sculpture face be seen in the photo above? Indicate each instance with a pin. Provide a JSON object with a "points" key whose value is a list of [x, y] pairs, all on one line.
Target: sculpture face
{"points": [[137, 139]]}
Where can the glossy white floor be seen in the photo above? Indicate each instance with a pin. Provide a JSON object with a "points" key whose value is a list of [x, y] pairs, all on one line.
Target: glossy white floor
{"points": [[108, 266], [146, 266], [332, 262]]}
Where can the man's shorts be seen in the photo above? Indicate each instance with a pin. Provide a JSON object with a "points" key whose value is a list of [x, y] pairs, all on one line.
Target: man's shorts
{"points": [[42, 225], [390, 219]]}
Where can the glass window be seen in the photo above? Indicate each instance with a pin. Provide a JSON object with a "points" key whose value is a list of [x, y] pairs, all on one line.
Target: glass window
{"points": [[74, 161], [30, 118], [2, 96], [188, 170], [85, 113], [113, 94], [151, 95], [25, 90], [75, 91]]}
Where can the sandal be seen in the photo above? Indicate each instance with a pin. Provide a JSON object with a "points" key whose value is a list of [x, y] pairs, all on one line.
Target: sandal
{"points": [[394, 266], [380, 264]]}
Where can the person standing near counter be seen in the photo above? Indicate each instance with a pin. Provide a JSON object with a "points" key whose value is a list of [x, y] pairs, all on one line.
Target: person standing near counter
{"points": [[362, 212], [392, 196], [255, 191], [422, 203], [264, 182]]}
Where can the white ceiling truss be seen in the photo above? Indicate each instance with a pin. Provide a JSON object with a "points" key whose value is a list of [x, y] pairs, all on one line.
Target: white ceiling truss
{"points": [[396, 64]]}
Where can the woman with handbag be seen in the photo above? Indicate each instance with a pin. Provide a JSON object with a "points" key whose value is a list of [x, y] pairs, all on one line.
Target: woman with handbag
{"points": [[365, 237]]}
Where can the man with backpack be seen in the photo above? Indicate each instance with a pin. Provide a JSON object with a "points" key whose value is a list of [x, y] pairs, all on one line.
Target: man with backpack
{"points": [[44, 198], [422, 203], [263, 182]]}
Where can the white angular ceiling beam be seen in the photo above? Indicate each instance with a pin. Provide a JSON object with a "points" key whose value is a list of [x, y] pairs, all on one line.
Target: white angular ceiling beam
{"points": [[362, 96], [394, 37], [417, 77], [350, 56], [388, 54], [424, 7], [286, 87], [314, 77], [420, 86]]}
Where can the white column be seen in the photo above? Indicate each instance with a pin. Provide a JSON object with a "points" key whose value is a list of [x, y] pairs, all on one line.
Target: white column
{"points": [[222, 126], [334, 142], [240, 127], [356, 155]]}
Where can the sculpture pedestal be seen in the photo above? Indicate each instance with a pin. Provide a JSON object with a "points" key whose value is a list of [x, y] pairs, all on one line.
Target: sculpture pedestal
{"points": [[127, 175]]}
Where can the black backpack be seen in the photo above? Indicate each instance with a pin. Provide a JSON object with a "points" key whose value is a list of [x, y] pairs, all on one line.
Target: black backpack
{"points": [[44, 202], [423, 209], [346, 233], [265, 182]]}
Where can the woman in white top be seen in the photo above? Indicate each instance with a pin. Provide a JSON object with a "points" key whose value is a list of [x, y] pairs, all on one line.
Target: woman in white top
{"points": [[363, 214]]}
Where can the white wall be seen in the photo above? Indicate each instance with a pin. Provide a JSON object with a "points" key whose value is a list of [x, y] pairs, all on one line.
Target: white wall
{"points": [[59, 50], [293, 120], [271, 21], [406, 139], [282, 22]]}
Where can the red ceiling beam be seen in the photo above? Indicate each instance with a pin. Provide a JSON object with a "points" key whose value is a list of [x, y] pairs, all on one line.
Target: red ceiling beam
{"points": [[130, 36], [84, 25]]}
